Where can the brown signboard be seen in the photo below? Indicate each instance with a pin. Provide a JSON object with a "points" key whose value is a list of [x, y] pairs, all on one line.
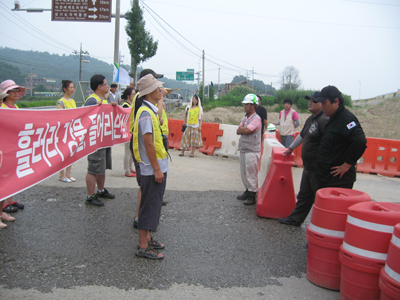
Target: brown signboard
{"points": [[81, 10]]}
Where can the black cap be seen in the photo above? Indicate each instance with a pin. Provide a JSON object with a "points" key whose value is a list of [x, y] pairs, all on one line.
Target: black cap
{"points": [[329, 92], [150, 71], [313, 96]]}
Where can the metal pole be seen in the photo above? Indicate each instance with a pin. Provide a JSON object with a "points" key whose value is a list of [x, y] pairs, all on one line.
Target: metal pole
{"points": [[116, 38], [80, 63], [31, 81], [203, 79]]}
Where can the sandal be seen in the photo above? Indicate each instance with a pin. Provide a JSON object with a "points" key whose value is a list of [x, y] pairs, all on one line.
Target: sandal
{"points": [[72, 179], [130, 175], [63, 179], [181, 154], [191, 155], [149, 252], [156, 245]]}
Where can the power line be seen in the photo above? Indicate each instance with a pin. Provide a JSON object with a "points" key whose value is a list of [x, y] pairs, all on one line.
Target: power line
{"points": [[36, 30], [285, 19]]}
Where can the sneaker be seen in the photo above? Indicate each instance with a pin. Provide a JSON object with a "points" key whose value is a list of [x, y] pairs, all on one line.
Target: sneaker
{"points": [[105, 194], [93, 200], [164, 203], [244, 196], [18, 205], [251, 199], [10, 209]]}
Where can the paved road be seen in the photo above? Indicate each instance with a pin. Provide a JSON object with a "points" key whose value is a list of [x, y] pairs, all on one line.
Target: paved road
{"points": [[59, 248]]}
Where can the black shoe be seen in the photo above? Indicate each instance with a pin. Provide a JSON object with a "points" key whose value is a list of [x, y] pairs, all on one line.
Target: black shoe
{"points": [[105, 194], [18, 205], [289, 221], [10, 209], [135, 223], [164, 203], [93, 200], [251, 199], [244, 196]]}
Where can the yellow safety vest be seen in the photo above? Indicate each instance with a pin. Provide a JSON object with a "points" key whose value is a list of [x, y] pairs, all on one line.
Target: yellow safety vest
{"points": [[3, 105], [68, 104], [164, 126], [157, 136], [130, 105], [131, 116], [193, 116], [98, 98]]}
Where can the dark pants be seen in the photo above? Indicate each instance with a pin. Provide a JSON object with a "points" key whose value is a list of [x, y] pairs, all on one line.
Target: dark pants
{"points": [[136, 164], [306, 196], [151, 202]]}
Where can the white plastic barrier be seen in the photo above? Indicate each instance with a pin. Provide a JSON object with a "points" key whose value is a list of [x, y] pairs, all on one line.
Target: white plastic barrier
{"points": [[270, 142], [229, 142]]}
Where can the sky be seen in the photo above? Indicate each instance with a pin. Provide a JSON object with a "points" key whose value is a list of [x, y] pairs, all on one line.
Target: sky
{"points": [[352, 44]]}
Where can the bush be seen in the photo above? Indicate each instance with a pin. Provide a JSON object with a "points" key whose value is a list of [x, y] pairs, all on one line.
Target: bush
{"points": [[236, 95], [24, 104]]}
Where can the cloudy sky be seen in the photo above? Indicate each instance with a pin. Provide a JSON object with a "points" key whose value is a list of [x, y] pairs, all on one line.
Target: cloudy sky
{"points": [[352, 44]]}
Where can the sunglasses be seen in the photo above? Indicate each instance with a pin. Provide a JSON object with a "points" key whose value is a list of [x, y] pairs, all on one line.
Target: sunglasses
{"points": [[14, 90]]}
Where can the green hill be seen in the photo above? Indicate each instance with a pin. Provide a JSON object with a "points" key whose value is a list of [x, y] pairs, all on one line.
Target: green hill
{"points": [[16, 64]]}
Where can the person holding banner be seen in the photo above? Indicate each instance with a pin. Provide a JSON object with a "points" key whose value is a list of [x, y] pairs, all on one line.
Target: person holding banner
{"points": [[66, 101], [128, 96], [100, 160], [14, 92], [3, 215], [149, 151]]}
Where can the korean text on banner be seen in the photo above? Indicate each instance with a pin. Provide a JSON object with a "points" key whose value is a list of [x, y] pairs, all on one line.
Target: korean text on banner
{"points": [[35, 144]]}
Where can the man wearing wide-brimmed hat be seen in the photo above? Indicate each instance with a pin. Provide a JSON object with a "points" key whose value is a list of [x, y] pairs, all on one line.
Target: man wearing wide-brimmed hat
{"points": [[149, 152]]}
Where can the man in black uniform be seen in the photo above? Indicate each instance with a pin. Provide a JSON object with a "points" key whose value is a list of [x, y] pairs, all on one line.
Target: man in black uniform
{"points": [[342, 144], [310, 136]]}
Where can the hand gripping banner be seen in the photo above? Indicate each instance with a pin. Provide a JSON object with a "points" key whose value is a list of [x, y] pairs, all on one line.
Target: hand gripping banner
{"points": [[35, 144]]}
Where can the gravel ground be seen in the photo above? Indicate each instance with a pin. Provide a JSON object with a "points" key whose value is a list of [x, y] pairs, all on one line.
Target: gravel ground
{"points": [[59, 248]]}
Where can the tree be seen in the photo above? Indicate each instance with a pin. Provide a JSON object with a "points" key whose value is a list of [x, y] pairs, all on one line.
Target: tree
{"points": [[40, 88], [140, 42], [290, 79], [210, 93], [239, 78], [8, 71]]}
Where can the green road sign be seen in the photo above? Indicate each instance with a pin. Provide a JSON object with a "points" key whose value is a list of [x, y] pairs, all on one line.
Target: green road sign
{"points": [[188, 75]]}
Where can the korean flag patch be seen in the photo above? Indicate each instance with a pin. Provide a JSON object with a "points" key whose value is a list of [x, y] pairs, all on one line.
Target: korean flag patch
{"points": [[351, 125]]}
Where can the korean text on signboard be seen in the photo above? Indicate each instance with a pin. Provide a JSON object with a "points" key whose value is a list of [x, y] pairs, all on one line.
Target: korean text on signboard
{"points": [[81, 10]]}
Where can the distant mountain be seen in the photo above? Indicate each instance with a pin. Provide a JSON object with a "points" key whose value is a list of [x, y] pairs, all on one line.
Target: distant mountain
{"points": [[61, 67]]}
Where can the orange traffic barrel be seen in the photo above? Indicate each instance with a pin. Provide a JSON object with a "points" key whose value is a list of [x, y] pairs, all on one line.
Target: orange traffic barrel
{"points": [[325, 234], [363, 254], [276, 197], [389, 280]]}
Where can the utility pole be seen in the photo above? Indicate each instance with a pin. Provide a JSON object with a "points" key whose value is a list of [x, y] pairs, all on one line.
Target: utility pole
{"points": [[203, 79], [219, 69], [116, 38], [31, 81], [80, 60], [252, 81]]}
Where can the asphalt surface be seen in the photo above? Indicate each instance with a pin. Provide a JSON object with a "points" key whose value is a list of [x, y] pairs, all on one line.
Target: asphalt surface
{"points": [[59, 248]]}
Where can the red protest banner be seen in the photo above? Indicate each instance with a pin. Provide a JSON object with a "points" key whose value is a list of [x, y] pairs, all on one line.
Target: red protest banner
{"points": [[35, 144]]}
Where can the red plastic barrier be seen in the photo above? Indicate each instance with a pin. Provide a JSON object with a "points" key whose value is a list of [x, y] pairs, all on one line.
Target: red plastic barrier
{"points": [[209, 135], [325, 234], [389, 279], [367, 236], [175, 133], [276, 198], [382, 156], [278, 136], [298, 161]]}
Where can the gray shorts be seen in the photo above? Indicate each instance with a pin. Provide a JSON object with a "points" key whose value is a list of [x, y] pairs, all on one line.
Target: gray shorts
{"points": [[150, 205], [99, 161]]}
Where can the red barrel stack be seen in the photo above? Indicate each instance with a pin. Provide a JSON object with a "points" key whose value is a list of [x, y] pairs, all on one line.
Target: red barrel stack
{"points": [[389, 280], [363, 254], [325, 234]]}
